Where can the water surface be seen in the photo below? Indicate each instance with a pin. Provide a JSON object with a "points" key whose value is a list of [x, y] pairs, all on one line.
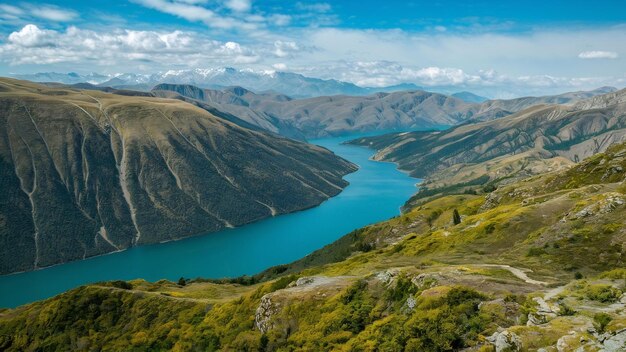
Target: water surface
{"points": [[376, 192]]}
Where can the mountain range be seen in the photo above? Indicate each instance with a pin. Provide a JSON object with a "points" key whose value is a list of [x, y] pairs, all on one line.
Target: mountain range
{"points": [[538, 139], [86, 173], [342, 114], [293, 84]]}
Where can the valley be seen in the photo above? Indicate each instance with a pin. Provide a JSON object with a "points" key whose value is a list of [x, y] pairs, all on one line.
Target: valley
{"points": [[513, 242], [238, 251]]}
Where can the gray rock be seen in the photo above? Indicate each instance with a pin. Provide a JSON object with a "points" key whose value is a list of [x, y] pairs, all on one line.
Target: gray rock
{"points": [[505, 341], [264, 313], [615, 343]]}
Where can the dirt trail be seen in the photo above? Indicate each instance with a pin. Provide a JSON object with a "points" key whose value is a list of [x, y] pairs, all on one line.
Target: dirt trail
{"points": [[519, 273]]}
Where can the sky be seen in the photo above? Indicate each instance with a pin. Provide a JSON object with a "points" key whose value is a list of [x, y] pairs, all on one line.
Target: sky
{"points": [[500, 48]]}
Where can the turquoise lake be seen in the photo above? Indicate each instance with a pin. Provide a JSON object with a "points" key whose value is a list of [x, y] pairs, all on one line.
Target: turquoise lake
{"points": [[376, 192]]}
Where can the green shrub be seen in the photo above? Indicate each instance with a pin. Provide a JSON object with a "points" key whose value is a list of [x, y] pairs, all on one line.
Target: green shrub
{"points": [[456, 217], [601, 320], [603, 293], [535, 252]]}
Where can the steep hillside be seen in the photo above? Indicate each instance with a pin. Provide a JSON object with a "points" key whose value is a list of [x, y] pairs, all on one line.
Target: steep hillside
{"points": [[85, 173], [491, 109], [537, 264], [544, 131]]}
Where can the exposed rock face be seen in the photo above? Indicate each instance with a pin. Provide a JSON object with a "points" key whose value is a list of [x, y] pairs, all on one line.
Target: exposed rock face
{"points": [[263, 315], [85, 173], [615, 342], [505, 341], [545, 312]]}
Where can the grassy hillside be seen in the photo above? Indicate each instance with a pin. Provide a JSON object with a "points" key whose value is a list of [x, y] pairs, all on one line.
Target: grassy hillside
{"points": [[538, 263], [87, 172]]}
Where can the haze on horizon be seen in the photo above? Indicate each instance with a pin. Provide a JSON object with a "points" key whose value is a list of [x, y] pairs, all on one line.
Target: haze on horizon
{"points": [[486, 47]]}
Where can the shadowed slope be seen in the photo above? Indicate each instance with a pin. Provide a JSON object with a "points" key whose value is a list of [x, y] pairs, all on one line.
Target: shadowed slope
{"points": [[86, 173]]}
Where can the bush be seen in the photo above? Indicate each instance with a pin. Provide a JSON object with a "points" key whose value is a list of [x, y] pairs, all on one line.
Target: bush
{"points": [[601, 320], [535, 252], [456, 217], [603, 293], [121, 284], [566, 310]]}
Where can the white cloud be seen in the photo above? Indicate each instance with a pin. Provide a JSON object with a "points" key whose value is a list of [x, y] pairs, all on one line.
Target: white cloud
{"points": [[26, 12], [279, 19], [239, 5], [53, 13], [10, 9], [598, 55], [314, 7], [32, 36], [120, 48], [280, 66], [284, 49]]}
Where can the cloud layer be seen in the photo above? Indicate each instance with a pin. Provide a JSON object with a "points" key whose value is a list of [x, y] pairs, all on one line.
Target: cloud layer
{"points": [[598, 54], [480, 56]]}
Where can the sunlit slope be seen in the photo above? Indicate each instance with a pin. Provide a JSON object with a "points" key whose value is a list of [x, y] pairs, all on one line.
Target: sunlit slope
{"points": [[535, 264], [574, 132], [87, 172]]}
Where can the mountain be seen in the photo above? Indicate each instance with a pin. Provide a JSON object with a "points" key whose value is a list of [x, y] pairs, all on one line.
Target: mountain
{"points": [[534, 265], [336, 115], [333, 115], [573, 132], [499, 107], [469, 97], [536, 140], [86, 173], [293, 84]]}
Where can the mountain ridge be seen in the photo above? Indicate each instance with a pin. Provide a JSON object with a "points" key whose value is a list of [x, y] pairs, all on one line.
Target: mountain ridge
{"points": [[87, 173]]}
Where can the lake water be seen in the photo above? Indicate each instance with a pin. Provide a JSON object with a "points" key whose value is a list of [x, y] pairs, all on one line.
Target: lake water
{"points": [[376, 192]]}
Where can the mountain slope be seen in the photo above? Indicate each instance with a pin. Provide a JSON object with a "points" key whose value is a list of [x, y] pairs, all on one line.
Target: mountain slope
{"points": [[85, 173], [573, 132], [537, 264], [334, 115], [491, 109]]}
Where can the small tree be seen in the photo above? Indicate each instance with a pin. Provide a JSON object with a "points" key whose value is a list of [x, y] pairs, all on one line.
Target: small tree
{"points": [[456, 218], [182, 281]]}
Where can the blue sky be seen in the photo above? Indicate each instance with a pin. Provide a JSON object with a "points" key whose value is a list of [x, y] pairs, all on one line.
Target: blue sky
{"points": [[516, 48]]}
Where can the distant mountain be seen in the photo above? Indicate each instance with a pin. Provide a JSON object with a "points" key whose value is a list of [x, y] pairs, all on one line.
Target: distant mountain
{"points": [[502, 107], [342, 114], [85, 173], [67, 78], [333, 115], [470, 97], [293, 84], [574, 132]]}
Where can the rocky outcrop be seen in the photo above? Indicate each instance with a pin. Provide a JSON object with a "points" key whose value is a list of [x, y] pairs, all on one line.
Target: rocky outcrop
{"points": [[545, 312], [505, 341], [264, 313]]}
